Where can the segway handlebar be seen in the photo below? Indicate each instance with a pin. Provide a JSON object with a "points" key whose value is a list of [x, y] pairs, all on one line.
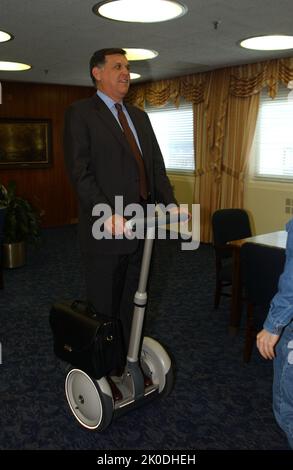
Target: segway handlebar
{"points": [[156, 221]]}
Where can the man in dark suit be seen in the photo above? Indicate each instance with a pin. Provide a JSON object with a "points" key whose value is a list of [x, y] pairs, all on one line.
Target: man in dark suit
{"points": [[101, 165]]}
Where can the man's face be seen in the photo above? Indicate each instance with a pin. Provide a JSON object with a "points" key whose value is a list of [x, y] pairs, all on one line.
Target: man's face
{"points": [[113, 78]]}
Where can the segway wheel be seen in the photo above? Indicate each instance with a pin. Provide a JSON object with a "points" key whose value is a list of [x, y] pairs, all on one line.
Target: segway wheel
{"points": [[156, 364], [90, 400]]}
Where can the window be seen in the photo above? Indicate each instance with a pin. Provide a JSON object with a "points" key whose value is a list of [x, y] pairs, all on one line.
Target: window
{"points": [[174, 131], [274, 137]]}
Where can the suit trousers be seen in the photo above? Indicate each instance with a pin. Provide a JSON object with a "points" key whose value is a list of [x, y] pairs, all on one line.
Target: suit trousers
{"points": [[111, 283]]}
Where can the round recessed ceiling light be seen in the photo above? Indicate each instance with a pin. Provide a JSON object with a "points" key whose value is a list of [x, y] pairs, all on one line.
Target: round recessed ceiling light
{"points": [[139, 54], [134, 76], [274, 42], [5, 36], [143, 11], [13, 66]]}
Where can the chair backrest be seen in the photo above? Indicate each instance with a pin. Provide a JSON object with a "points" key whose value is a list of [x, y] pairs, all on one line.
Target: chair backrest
{"points": [[261, 268], [230, 224]]}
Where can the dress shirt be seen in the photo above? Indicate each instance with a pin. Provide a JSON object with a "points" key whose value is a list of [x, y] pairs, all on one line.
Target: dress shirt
{"points": [[111, 105]]}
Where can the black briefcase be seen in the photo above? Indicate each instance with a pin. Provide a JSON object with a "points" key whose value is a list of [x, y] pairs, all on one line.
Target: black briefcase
{"points": [[86, 339]]}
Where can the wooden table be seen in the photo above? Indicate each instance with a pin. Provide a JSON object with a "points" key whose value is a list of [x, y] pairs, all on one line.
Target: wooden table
{"points": [[274, 239]]}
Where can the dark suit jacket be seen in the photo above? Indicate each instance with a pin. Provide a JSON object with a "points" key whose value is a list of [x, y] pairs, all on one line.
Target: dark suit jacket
{"points": [[101, 165]]}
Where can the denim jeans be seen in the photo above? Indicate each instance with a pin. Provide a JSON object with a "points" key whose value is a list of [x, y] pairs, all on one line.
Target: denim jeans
{"points": [[283, 383]]}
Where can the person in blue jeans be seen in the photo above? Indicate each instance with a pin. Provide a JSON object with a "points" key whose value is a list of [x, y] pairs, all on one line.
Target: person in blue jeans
{"points": [[275, 341]]}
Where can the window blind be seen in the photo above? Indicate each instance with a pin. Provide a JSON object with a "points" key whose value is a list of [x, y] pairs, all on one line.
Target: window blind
{"points": [[174, 130], [274, 136]]}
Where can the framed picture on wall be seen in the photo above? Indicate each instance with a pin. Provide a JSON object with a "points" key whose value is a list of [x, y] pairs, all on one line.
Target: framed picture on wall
{"points": [[25, 143]]}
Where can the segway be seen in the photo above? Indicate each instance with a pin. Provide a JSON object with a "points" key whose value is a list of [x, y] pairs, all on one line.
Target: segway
{"points": [[90, 400]]}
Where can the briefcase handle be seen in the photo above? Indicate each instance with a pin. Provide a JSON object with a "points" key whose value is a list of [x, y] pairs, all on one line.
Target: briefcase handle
{"points": [[84, 307]]}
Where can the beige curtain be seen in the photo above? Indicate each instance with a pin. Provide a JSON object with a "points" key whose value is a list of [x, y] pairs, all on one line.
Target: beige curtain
{"points": [[191, 88], [240, 127], [229, 113], [225, 106], [209, 147]]}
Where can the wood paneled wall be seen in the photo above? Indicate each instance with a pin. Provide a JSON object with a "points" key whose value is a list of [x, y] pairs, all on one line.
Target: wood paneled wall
{"points": [[48, 188]]}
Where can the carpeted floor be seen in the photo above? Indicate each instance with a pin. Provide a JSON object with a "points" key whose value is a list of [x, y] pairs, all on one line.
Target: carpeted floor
{"points": [[217, 402]]}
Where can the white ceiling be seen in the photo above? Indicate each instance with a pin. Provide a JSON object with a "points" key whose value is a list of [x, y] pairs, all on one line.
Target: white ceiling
{"points": [[58, 37]]}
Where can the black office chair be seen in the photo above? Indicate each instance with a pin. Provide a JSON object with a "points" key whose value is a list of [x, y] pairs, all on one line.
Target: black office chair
{"points": [[2, 215], [227, 225], [261, 268]]}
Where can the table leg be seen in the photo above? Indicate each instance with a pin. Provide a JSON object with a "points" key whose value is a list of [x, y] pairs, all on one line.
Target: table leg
{"points": [[236, 303]]}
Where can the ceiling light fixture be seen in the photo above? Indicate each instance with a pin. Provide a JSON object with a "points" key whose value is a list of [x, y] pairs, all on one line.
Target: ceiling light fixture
{"points": [[139, 54], [5, 36], [143, 11], [13, 66], [134, 76], [275, 42]]}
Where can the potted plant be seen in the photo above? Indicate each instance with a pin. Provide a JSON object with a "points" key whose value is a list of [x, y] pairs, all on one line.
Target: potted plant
{"points": [[22, 224]]}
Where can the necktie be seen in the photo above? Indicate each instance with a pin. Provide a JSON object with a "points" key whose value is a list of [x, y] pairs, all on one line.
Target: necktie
{"points": [[135, 150]]}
